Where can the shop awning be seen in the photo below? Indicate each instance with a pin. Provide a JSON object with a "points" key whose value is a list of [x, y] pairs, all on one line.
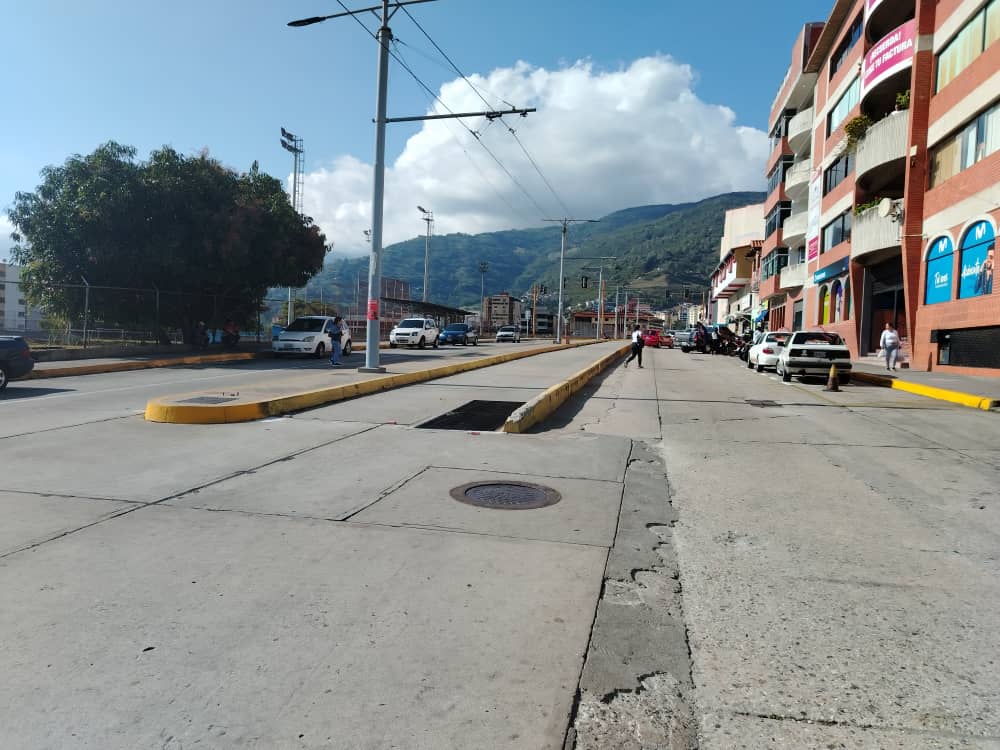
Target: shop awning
{"points": [[761, 316]]}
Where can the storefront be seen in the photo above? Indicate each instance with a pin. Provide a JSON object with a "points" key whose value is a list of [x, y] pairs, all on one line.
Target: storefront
{"points": [[833, 292]]}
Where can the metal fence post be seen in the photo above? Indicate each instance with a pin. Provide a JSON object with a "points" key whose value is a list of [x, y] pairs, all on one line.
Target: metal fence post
{"points": [[86, 308]]}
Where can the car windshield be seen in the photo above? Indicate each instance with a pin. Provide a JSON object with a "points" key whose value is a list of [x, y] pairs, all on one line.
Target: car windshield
{"points": [[412, 323], [777, 338], [457, 327], [307, 325], [818, 338], [508, 329]]}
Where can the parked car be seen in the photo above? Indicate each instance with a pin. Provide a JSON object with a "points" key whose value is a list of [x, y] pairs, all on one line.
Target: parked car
{"points": [[651, 338], [812, 353], [667, 339], [310, 334], [508, 333], [418, 332], [459, 333], [765, 352], [15, 359]]}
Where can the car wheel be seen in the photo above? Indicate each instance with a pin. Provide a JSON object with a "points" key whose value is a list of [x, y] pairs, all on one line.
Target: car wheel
{"points": [[685, 349], [465, 342], [435, 343], [749, 364], [421, 344], [3, 378], [392, 345], [347, 349], [845, 379], [760, 367], [475, 342], [786, 376], [320, 350]]}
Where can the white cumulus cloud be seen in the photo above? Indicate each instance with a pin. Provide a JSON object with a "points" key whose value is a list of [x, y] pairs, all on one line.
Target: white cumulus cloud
{"points": [[605, 140], [6, 243]]}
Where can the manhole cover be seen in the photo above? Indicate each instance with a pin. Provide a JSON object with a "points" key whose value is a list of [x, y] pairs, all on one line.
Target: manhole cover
{"points": [[506, 495], [764, 404], [208, 400]]}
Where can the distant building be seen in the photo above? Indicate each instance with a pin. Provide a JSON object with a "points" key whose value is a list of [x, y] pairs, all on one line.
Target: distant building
{"points": [[15, 313], [733, 298], [501, 310]]}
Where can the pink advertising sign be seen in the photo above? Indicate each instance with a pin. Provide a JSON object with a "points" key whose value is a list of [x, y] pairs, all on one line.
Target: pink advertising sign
{"points": [[891, 54]]}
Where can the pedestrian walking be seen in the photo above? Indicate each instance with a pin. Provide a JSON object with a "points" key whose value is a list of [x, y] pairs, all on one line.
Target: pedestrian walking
{"points": [[890, 346], [637, 344], [336, 336]]}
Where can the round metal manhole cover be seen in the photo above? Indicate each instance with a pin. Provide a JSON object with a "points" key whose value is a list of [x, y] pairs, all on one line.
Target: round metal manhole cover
{"points": [[506, 495]]}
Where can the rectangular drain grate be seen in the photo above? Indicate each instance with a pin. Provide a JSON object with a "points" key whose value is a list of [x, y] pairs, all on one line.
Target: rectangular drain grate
{"points": [[764, 404], [208, 400], [484, 416]]}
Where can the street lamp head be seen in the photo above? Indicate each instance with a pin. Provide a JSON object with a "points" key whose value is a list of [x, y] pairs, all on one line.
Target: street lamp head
{"points": [[422, 210], [306, 21]]}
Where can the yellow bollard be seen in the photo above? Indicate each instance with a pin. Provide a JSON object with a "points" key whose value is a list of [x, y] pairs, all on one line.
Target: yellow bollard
{"points": [[832, 382]]}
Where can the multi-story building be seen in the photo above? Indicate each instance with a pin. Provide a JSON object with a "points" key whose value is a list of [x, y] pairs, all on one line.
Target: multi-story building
{"points": [[733, 295], [15, 313], [883, 180], [501, 310]]}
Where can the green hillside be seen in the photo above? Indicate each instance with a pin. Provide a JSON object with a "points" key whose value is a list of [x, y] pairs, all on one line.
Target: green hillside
{"points": [[657, 247]]}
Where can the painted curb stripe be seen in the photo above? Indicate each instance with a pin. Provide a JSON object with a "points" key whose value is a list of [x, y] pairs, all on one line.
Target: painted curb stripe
{"points": [[168, 410], [545, 403], [970, 400]]}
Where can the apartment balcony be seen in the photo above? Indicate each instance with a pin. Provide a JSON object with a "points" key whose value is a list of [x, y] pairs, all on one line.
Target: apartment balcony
{"points": [[800, 131], [797, 181], [731, 283], [793, 233], [769, 287], [886, 15], [872, 233], [881, 155], [792, 277]]}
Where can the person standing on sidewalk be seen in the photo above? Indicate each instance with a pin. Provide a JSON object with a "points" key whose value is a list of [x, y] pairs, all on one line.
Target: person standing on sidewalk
{"points": [[637, 344], [336, 336], [890, 346]]}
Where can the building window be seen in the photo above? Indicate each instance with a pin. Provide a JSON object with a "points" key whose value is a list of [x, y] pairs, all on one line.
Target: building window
{"points": [[780, 129], [976, 259], [773, 263], [776, 218], [777, 176], [836, 302], [837, 172], [846, 45], [973, 143], [844, 105], [940, 266], [978, 33], [800, 255], [837, 231]]}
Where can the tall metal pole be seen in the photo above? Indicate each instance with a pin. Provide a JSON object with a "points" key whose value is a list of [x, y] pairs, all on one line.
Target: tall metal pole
{"points": [[617, 290], [429, 218], [86, 310], [562, 259], [484, 266], [600, 304], [289, 306], [373, 333]]}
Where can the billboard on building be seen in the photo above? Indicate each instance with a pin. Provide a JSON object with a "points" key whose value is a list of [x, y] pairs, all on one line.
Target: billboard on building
{"points": [[940, 262], [891, 54], [977, 258], [813, 217]]}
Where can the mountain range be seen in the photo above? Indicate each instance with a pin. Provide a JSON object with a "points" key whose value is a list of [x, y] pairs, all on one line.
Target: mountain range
{"points": [[658, 249]]}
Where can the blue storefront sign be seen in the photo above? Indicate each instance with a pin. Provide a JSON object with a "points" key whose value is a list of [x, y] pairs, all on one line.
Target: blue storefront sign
{"points": [[977, 273], [831, 271], [940, 264]]}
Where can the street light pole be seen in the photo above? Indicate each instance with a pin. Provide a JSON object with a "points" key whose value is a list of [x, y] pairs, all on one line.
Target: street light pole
{"points": [[484, 266], [429, 218], [562, 258]]}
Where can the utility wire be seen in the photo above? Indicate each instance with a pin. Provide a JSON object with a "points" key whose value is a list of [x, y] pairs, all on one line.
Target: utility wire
{"points": [[477, 92]]}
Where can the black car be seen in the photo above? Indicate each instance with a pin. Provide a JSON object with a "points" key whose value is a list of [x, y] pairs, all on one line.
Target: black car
{"points": [[15, 359], [459, 333]]}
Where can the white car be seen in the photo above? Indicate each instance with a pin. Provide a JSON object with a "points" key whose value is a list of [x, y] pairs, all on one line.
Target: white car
{"points": [[418, 332], [812, 353], [310, 334], [508, 333], [766, 351]]}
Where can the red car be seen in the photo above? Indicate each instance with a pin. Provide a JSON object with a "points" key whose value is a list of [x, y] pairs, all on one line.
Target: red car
{"points": [[652, 338]]}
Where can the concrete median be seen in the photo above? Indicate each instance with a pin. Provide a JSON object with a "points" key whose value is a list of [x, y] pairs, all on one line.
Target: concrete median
{"points": [[215, 408], [540, 407]]}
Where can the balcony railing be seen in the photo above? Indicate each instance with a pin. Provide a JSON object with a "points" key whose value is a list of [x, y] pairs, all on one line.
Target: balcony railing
{"points": [[797, 180], [884, 142], [793, 233], [793, 276], [800, 132], [872, 232]]}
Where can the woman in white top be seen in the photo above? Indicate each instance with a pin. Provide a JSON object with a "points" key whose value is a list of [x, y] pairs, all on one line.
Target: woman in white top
{"points": [[637, 344], [889, 344]]}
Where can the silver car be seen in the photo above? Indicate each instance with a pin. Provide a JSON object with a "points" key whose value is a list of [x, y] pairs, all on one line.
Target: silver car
{"points": [[508, 333]]}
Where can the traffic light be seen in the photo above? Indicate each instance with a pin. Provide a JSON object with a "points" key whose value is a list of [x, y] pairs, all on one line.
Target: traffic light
{"points": [[584, 282]]}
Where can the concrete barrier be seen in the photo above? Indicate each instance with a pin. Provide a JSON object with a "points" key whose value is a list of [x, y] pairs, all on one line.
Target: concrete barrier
{"points": [[172, 410], [971, 400], [545, 403]]}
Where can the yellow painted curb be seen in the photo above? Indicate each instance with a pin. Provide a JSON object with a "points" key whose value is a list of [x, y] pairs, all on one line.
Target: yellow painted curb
{"points": [[970, 400], [545, 403], [162, 410]]}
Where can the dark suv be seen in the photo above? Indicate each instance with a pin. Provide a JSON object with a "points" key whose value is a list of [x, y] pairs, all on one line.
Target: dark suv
{"points": [[15, 359]]}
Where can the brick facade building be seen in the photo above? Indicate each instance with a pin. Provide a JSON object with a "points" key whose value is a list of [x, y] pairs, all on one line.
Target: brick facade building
{"points": [[884, 180]]}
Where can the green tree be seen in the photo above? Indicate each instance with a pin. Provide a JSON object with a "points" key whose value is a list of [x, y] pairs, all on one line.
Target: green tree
{"points": [[210, 239]]}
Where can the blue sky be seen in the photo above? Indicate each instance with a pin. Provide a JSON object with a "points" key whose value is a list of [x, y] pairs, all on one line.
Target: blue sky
{"points": [[228, 75]]}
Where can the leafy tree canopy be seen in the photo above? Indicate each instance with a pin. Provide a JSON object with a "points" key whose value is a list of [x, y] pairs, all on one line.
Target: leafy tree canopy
{"points": [[211, 239]]}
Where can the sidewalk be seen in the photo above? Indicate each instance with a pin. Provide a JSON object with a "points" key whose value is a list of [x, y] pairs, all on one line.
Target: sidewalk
{"points": [[969, 390]]}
